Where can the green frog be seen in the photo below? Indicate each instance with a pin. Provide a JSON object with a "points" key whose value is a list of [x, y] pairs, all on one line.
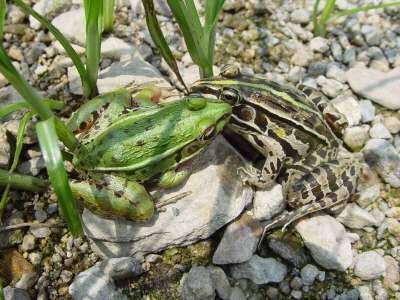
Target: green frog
{"points": [[123, 147], [293, 127]]}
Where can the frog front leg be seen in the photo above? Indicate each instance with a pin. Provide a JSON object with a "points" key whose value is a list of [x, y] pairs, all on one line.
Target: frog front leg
{"points": [[112, 196], [274, 160]]}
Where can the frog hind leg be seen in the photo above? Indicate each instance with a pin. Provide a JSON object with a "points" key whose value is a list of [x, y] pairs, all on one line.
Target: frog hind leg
{"points": [[117, 198], [327, 185]]}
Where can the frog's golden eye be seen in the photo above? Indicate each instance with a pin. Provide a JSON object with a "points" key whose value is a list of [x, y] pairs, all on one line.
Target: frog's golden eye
{"points": [[206, 130], [230, 96]]}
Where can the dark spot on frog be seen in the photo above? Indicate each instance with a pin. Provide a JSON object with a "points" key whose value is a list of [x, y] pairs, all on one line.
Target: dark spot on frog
{"points": [[344, 177], [321, 106], [143, 171], [140, 143], [310, 121], [352, 170], [349, 186], [83, 126], [334, 162], [334, 197], [178, 157], [193, 149], [258, 141], [305, 90]]}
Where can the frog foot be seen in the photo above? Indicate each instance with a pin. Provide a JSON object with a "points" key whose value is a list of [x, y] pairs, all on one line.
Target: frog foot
{"points": [[253, 176]]}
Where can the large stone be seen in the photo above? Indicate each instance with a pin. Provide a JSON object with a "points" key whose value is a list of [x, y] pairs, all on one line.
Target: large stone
{"points": [[260, 270], [217, 197], [382, 88], [327, 240]]}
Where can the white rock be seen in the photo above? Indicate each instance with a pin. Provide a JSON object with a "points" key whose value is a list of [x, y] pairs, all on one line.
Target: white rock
{"points": [[334, 72], [370, 265], [319, 44], [382, 88], [102, 287], [48, 9], [260, 270], [355, 137], [330, 87], [367, 110], [354, 216], [371, 35], [75, 83], [268, 202], [72, 25], [379, 131], [300, 16], [327, 240], [114, 48], [392, 124], [123, 73]]}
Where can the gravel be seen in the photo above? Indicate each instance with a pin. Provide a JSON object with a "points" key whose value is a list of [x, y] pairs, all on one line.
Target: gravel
{"points": [[354, 256]]}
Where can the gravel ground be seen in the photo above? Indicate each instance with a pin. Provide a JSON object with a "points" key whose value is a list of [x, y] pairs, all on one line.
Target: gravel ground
{"points": [[272, 40]]}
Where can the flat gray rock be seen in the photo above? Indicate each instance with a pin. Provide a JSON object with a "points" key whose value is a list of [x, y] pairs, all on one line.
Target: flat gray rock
{"points": [[239, 241], [260, 270], [382, 88], [218, 196]]}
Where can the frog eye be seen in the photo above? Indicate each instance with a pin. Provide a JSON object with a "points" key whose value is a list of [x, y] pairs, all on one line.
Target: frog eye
{"points": [[195, 101], [230, 96], [206, 130]]}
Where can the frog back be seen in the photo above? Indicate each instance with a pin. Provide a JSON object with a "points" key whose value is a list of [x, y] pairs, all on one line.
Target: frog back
{"points": [[143, 137]]}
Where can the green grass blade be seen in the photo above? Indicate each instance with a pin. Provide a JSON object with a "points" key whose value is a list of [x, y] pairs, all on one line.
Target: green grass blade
{"points": [[63, 41], [23, 182], [51, 104], [94, 23], [326, 12], [213, 9], [339, 14], [3, 7], [4, 200], [20, 137], [192, 35], [58, 176], [108, 15], [1, 291], [159, 39], [317, 27]]}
